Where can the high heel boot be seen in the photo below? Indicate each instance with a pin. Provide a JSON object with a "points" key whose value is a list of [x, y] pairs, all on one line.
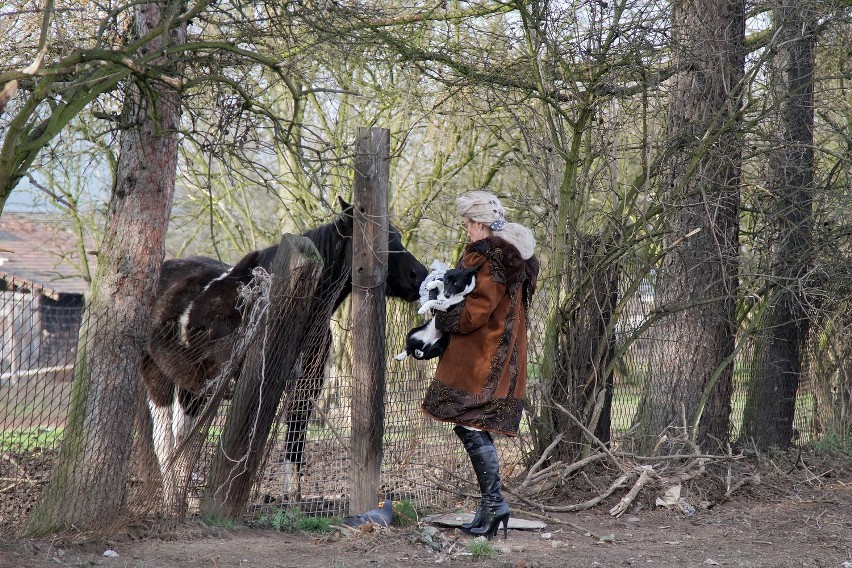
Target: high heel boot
{"points": [[471, 441], [493, 509]]}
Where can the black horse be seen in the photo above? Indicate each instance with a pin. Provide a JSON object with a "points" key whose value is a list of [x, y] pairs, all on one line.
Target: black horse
{"points": [[197, 312]]}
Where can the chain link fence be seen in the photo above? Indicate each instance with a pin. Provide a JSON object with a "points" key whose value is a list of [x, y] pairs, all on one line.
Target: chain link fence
{"points": [[421, 459]]}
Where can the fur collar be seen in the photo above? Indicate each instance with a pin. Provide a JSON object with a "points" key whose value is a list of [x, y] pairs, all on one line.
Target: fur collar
{"points": [[506, 262]]}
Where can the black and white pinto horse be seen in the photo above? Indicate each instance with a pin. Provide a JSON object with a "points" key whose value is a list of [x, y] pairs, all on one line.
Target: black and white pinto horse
{"points": [[197, 312]]}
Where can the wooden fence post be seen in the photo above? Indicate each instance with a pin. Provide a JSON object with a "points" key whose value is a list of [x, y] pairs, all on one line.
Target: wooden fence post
{"points": [[266, 371], [369, 272]]}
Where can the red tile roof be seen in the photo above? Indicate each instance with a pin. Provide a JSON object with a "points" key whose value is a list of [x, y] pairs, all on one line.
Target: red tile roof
{"points": [[36, 253]]}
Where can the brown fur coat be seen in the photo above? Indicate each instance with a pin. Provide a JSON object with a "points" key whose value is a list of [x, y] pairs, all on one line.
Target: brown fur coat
{"points": [[482, 376]]}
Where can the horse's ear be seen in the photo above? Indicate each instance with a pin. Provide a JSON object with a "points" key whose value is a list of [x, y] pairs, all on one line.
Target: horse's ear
{"points": [[344, 220]]}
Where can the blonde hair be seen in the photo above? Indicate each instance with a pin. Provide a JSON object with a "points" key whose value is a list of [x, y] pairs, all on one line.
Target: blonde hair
{"points": [[484, 207]]}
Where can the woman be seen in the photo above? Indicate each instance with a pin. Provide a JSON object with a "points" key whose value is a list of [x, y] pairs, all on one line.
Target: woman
{"points": [[481, 378]]}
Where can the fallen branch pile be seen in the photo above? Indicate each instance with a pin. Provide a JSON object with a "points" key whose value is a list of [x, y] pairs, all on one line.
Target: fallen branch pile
{"points": [[662, 475]]}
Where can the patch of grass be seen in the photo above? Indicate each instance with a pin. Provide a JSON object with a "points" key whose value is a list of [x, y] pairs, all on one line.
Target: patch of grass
{"points": [[212, 521], [315, 524], [28, 439], [290, 520], [481, 548], [404, 514], [833, 443], [283, 520]]}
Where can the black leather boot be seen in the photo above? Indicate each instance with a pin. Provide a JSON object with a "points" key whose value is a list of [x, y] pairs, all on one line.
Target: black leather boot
{"points": [[471, 440], [493, 510], [477, 518]]}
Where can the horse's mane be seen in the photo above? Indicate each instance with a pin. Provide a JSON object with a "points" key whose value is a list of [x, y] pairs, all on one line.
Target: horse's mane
{"points": [[328, 240], [335, 249]]}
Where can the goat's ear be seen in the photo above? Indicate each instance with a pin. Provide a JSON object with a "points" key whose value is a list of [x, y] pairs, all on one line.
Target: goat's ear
{"points": [[344, 220]]}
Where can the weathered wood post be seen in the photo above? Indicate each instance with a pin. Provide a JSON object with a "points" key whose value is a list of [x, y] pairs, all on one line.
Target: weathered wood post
{"points": [[369, 272], [268, 367]]}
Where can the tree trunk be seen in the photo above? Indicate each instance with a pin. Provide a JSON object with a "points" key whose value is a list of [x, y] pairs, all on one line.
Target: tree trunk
{"points": [[583, 382], [547, 420], [690, 380], [783, 324], [270, 365], [88, 489]]}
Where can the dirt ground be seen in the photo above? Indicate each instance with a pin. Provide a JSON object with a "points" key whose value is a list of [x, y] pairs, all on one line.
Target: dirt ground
{"points": [[796, 518]]}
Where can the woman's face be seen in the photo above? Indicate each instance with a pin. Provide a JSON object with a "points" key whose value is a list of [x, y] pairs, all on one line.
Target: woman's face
{"points": [[475, 231]]}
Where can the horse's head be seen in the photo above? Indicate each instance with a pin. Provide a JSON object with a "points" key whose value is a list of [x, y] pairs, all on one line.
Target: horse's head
{"points": [[405, 273]]}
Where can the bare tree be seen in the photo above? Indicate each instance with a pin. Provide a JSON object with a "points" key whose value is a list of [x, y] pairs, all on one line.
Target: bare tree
{"points": [[783, 319], [696, 286], [88, 487]]}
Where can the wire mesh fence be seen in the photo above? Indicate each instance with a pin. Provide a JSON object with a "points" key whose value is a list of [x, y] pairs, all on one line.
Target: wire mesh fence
{"points": [[306, 466], [37, 362]]}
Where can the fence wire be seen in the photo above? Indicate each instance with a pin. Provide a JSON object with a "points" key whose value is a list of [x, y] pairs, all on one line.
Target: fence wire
{"points": [[421, 459]]}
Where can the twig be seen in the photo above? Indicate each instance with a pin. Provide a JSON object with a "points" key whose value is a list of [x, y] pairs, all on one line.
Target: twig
{"points": [[14, 482], [594, 438], [728, 477], [738, 485], [532, 471], [580, 464], [50, 547], [344, 529], [19, 480], [817, 477], [589, 481], [674, 457], [617, 484], [686, 475], [647, 474], [551, 470]]}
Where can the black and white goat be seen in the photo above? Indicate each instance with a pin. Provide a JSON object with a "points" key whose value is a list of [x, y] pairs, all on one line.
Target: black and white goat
{"points": [[444, 287]]}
